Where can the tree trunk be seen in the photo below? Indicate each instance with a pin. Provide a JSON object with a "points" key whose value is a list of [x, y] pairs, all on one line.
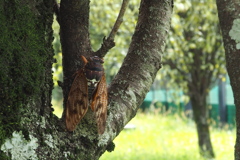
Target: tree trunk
{"points": [[228, 12], [201, 116], [198, 88], [28, 127], [26, 57]]}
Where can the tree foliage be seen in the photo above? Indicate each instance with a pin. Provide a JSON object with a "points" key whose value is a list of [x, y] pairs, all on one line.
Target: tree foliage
{"points": [[195, 43]]}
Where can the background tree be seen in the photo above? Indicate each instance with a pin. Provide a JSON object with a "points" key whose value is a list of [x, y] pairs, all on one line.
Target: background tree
{"points": [[229, 17], [28, 127], [195, 56]]}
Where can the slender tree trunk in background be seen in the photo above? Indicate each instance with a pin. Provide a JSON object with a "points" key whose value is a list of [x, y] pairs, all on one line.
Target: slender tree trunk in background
{"points": [[28, 127], [201, 116], [198, 88], [196, 60], [229, 17]]}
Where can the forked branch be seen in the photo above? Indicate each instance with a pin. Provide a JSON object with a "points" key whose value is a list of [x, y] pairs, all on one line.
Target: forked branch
{"points": [[119, 20], [108, 42]]}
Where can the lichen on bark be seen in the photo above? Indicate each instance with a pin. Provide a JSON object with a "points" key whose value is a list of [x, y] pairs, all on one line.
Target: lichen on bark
{"points": [[234, 33]]}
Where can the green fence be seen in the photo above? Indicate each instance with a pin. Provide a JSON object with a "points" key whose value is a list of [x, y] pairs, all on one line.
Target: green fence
{"points": [[231, 112], [164, 101], [173, 108]]}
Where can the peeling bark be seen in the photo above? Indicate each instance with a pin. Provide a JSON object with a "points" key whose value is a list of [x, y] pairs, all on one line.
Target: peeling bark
{"points": [[228, 11]]}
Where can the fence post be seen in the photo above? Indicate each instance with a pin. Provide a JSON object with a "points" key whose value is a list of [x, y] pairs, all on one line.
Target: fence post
{"points": [[222, 100]]}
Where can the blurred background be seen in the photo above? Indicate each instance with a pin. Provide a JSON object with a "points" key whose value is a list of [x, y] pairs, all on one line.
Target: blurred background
{"points": [[164, 127]]}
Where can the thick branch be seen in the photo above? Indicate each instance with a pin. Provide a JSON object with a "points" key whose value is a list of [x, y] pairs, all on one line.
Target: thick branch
{"points": [[74, 34], [108, 43], [74, 28], [141, 64]]}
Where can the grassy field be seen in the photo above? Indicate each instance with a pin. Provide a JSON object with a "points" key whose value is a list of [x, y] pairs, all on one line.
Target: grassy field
{"points": [[159, 137]]}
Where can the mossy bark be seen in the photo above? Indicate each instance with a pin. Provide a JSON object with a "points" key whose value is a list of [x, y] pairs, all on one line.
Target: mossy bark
{"points": [[26, 58], [26, 80], [228, 11]]}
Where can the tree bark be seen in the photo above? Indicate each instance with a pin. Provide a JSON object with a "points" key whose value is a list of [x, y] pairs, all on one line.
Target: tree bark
{"points": [[74, 35], [201, 116], [26, 113], [26, 57], [228, 13]]}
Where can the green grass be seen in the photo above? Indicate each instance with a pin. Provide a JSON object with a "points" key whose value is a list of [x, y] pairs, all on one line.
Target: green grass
{"points": [[160, 137]]}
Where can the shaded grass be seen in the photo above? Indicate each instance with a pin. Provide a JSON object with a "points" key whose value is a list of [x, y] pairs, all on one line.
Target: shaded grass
{"points": [[160, 137]]}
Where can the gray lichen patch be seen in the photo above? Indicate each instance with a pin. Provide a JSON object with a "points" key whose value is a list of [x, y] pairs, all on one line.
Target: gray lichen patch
{"points": [[18, 148], [234, 33]]}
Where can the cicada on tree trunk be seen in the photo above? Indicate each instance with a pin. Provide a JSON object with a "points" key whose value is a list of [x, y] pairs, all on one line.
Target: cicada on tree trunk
{"points": [[89, 88]]}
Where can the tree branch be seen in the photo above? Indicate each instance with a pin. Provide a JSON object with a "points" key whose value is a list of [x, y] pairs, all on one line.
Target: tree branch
{"points": [[119, 20], [108, 42], [74, 36], [140, 66]]}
